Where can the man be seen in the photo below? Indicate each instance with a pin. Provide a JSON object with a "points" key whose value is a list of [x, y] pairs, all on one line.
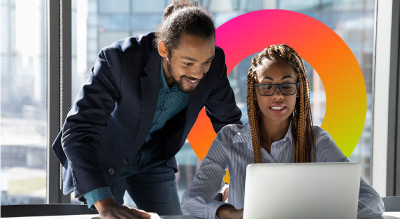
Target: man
{"points": [[134, 113]]}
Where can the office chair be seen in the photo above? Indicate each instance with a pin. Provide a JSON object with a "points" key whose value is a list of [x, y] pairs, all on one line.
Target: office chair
{"points": [[44, 210], [392, 203]]}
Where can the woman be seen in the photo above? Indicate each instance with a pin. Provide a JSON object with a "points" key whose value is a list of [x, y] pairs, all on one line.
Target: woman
{"points": [[280, 130]]}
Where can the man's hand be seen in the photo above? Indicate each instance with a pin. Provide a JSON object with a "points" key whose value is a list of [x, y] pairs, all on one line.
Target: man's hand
{"points": [[229, 212], [108, 209]]}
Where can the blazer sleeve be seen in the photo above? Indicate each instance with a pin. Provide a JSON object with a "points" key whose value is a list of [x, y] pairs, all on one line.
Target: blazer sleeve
{"points": [[87, 117], [221, 106]]}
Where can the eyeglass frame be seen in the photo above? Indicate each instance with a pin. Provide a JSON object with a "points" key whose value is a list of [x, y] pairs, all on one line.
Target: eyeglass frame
{"points": [[277, 86]]}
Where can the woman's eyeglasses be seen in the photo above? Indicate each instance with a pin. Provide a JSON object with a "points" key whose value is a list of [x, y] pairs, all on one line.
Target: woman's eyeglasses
{"points": [[286, 89]]}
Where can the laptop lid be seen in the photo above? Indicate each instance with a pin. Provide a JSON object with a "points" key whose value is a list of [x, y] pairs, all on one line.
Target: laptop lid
{"points": [[302, 191]]}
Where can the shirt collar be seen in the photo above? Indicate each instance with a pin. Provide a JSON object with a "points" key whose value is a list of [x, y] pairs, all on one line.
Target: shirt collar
{"points": [[163, 82], [243, 135]]}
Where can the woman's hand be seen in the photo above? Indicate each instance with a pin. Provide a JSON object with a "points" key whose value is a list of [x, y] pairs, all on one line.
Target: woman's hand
{"points": [[229, 212]]}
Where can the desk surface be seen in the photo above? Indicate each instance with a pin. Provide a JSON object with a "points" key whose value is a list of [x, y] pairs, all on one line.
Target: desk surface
{"points": [[96, 216], [386, 215]]}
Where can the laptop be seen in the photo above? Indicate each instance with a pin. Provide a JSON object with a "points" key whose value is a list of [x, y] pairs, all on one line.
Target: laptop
{"points": [[302, 191]]}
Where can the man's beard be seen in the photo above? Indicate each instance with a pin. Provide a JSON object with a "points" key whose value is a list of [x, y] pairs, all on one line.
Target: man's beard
{"points": [[179, 82]]}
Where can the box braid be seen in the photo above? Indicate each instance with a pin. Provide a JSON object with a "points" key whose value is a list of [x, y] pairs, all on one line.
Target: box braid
{"points": [[301, 117]]}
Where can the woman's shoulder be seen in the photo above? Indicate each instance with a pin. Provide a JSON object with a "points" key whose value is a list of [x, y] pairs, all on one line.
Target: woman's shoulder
{"points": [[235, 132], [322, 138], [234, 129], [327, 150], [320, 132]]}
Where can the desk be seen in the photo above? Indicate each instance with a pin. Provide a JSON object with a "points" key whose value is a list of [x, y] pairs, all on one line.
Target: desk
{"points": [[90, 216], [387, 215]]}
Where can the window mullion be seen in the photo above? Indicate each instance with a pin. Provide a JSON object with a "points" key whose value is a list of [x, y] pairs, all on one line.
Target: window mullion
{"points": [[59, 88]]}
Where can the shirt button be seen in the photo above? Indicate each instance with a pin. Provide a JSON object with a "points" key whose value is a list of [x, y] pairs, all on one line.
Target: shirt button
{"points": [[111, 171], [164, 109], [126, 161]]}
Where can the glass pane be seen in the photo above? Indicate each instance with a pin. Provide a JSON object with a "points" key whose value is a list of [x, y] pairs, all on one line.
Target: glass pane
{"points": [[95, 27], [120, 6], [353, 21], [98, 23], [149, 6], [23, 102]]}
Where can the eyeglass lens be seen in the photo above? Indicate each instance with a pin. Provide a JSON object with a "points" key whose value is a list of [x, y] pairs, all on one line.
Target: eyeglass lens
{"points": [[269, 89]]}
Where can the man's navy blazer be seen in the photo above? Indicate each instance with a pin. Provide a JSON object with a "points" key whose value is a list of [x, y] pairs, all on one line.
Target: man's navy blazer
{"points": [[113, 113]]}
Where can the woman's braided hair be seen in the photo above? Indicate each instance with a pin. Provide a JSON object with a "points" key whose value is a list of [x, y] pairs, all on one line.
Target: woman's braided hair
{"points": [[301, 118]]}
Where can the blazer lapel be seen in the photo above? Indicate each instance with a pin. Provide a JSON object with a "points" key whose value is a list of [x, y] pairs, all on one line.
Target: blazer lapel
{"points": [[149, 90]]}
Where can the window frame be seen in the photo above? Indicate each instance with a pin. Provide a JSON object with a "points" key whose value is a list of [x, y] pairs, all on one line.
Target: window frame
{"points": [[386, 99], [385, 108], [58, 89]]}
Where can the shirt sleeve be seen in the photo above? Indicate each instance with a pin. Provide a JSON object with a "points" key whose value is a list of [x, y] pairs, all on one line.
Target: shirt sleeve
{"points": [[97, 195], [369, 203], [198, 199]]}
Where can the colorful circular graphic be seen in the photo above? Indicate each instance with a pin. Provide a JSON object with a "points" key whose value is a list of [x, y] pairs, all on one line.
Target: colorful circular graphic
{"points": [[321, 47]]}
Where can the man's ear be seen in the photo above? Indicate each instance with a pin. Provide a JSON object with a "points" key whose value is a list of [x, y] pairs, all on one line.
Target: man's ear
{"points": [[162, 49]]}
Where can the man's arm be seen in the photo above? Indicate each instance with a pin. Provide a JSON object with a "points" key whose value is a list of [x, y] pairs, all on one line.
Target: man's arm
{"points": [[221, 106], [98, 195], [81, 139], [86, 119]]}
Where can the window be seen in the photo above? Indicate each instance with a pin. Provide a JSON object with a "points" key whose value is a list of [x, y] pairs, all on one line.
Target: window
{"points": [[97, 24], [354, 23], [23, 102]]}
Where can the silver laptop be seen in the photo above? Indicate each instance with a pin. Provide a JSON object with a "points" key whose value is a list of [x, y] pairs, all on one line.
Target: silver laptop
{"points": [[302, 191]]}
